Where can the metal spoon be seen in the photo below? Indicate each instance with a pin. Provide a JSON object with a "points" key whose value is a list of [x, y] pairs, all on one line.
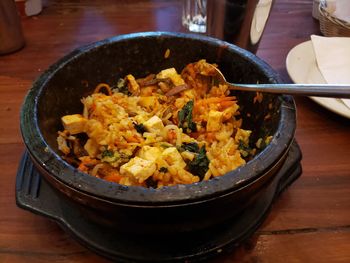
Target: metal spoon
{"points": [[315, 90]]}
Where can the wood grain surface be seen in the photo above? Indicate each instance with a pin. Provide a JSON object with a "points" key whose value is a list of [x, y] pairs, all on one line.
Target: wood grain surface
{"points": [[310, 222]]}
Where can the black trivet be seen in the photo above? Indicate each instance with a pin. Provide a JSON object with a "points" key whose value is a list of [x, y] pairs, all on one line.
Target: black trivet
{"points": [[36, 195]]}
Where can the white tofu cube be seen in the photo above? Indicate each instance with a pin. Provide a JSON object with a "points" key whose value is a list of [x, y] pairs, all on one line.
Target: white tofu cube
{"points": [[154, 125], [139, 168], [172, 75], [149, 153], [74, 123], [214, 121], [173, 157]]}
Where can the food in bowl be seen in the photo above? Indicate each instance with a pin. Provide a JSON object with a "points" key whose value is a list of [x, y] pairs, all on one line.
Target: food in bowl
{"points": [[168, 210], [160, 130]]}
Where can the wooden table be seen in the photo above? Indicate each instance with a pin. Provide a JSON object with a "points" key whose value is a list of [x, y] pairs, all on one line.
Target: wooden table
{"points": [[310, 222]]}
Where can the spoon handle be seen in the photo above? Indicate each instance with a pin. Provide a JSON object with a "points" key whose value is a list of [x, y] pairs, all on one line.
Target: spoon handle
{"points": [[316, 90]]}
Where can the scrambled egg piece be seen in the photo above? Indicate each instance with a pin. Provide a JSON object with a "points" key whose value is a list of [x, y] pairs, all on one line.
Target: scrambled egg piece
{"points": [[133, 86], [149, 102], [214, 121], [242, 135], [172, 75]]}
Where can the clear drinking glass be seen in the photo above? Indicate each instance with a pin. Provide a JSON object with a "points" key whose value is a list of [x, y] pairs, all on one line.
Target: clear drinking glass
{"points": [[241, 22], [194, 15]]}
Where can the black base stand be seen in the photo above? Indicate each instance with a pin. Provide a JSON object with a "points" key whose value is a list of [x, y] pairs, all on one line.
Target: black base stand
{"points": [[36, 195]]}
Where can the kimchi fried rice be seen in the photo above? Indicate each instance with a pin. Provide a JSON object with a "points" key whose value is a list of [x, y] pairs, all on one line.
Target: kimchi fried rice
{"points": [[161, 130]]}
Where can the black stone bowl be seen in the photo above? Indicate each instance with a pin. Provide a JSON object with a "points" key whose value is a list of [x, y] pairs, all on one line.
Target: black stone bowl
{"points": [[179, 208]]}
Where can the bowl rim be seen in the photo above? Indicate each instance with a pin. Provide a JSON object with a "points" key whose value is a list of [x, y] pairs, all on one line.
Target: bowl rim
{"points": [[69, 176]]}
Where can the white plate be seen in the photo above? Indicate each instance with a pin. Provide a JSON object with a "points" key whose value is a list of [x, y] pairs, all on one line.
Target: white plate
{"points": [[302, 68]]}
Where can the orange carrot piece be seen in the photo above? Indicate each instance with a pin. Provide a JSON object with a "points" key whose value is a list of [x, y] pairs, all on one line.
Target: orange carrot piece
{"points": [[82, 167], [214, 100], [113, 177], [226, 104]]}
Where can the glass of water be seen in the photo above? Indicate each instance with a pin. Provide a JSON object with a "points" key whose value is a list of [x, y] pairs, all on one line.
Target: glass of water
{"points": [[240, 22], [194, 15]]}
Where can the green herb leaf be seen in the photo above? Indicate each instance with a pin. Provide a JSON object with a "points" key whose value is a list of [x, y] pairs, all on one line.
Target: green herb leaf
{"points": [[242, 146], [165, 145], [140, 128], [191, 147], [185, 118], [151, 183], [110, 156], [107, 153], [200, 164], [121, 86], [244, 149]]}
